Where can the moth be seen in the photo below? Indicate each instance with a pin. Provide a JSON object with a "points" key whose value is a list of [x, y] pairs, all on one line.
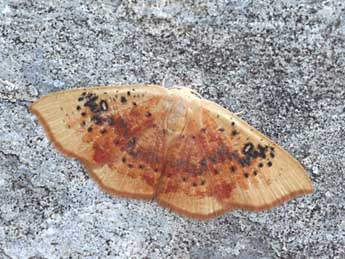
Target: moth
{"points": [[172, 146]]}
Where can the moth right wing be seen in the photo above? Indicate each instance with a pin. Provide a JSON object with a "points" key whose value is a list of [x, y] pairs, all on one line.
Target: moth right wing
{"points": [[218, 163], [266, 175]]}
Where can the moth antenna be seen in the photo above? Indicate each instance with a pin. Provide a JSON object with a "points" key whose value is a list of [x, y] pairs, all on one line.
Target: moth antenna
{"points": [[195, 92], [165, 81], [239, 113]]}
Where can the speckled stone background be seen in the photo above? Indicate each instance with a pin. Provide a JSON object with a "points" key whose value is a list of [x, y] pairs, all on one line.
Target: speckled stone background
{"points": [[280, 63]]}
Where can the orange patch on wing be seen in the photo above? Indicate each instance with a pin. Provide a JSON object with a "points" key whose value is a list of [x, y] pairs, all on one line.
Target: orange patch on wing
{"points": [[101, 156], [149, 179], [223, 190]]}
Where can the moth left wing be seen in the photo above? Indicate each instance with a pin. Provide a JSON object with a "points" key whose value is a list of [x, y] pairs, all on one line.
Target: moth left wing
{"points": [[115, 131]]}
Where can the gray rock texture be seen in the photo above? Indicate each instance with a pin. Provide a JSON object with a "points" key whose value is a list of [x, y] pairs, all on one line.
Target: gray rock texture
{"points": [[280, 63]]}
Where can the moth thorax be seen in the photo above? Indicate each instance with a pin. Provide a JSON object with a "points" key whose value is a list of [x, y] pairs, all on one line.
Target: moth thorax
{"points": [[177, 117]]}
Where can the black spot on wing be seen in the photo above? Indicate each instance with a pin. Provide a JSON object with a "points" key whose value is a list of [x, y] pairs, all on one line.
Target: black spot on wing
{"points": [[123, 99]]}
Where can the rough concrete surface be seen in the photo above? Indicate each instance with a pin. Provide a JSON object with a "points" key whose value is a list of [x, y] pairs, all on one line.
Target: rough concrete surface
{"points": [[280, 63]]}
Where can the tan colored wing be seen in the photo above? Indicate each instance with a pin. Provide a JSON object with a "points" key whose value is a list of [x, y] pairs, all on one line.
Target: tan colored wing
{"points": [[219, 163], [266, 174], [117, 132]]}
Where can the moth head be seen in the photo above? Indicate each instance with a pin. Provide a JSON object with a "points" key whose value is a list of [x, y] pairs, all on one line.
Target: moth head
{"points": [[185, 91]]}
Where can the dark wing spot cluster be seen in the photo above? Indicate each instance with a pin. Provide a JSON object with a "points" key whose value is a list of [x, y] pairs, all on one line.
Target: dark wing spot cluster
{"points": [[97, 108], [259, 153]]}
